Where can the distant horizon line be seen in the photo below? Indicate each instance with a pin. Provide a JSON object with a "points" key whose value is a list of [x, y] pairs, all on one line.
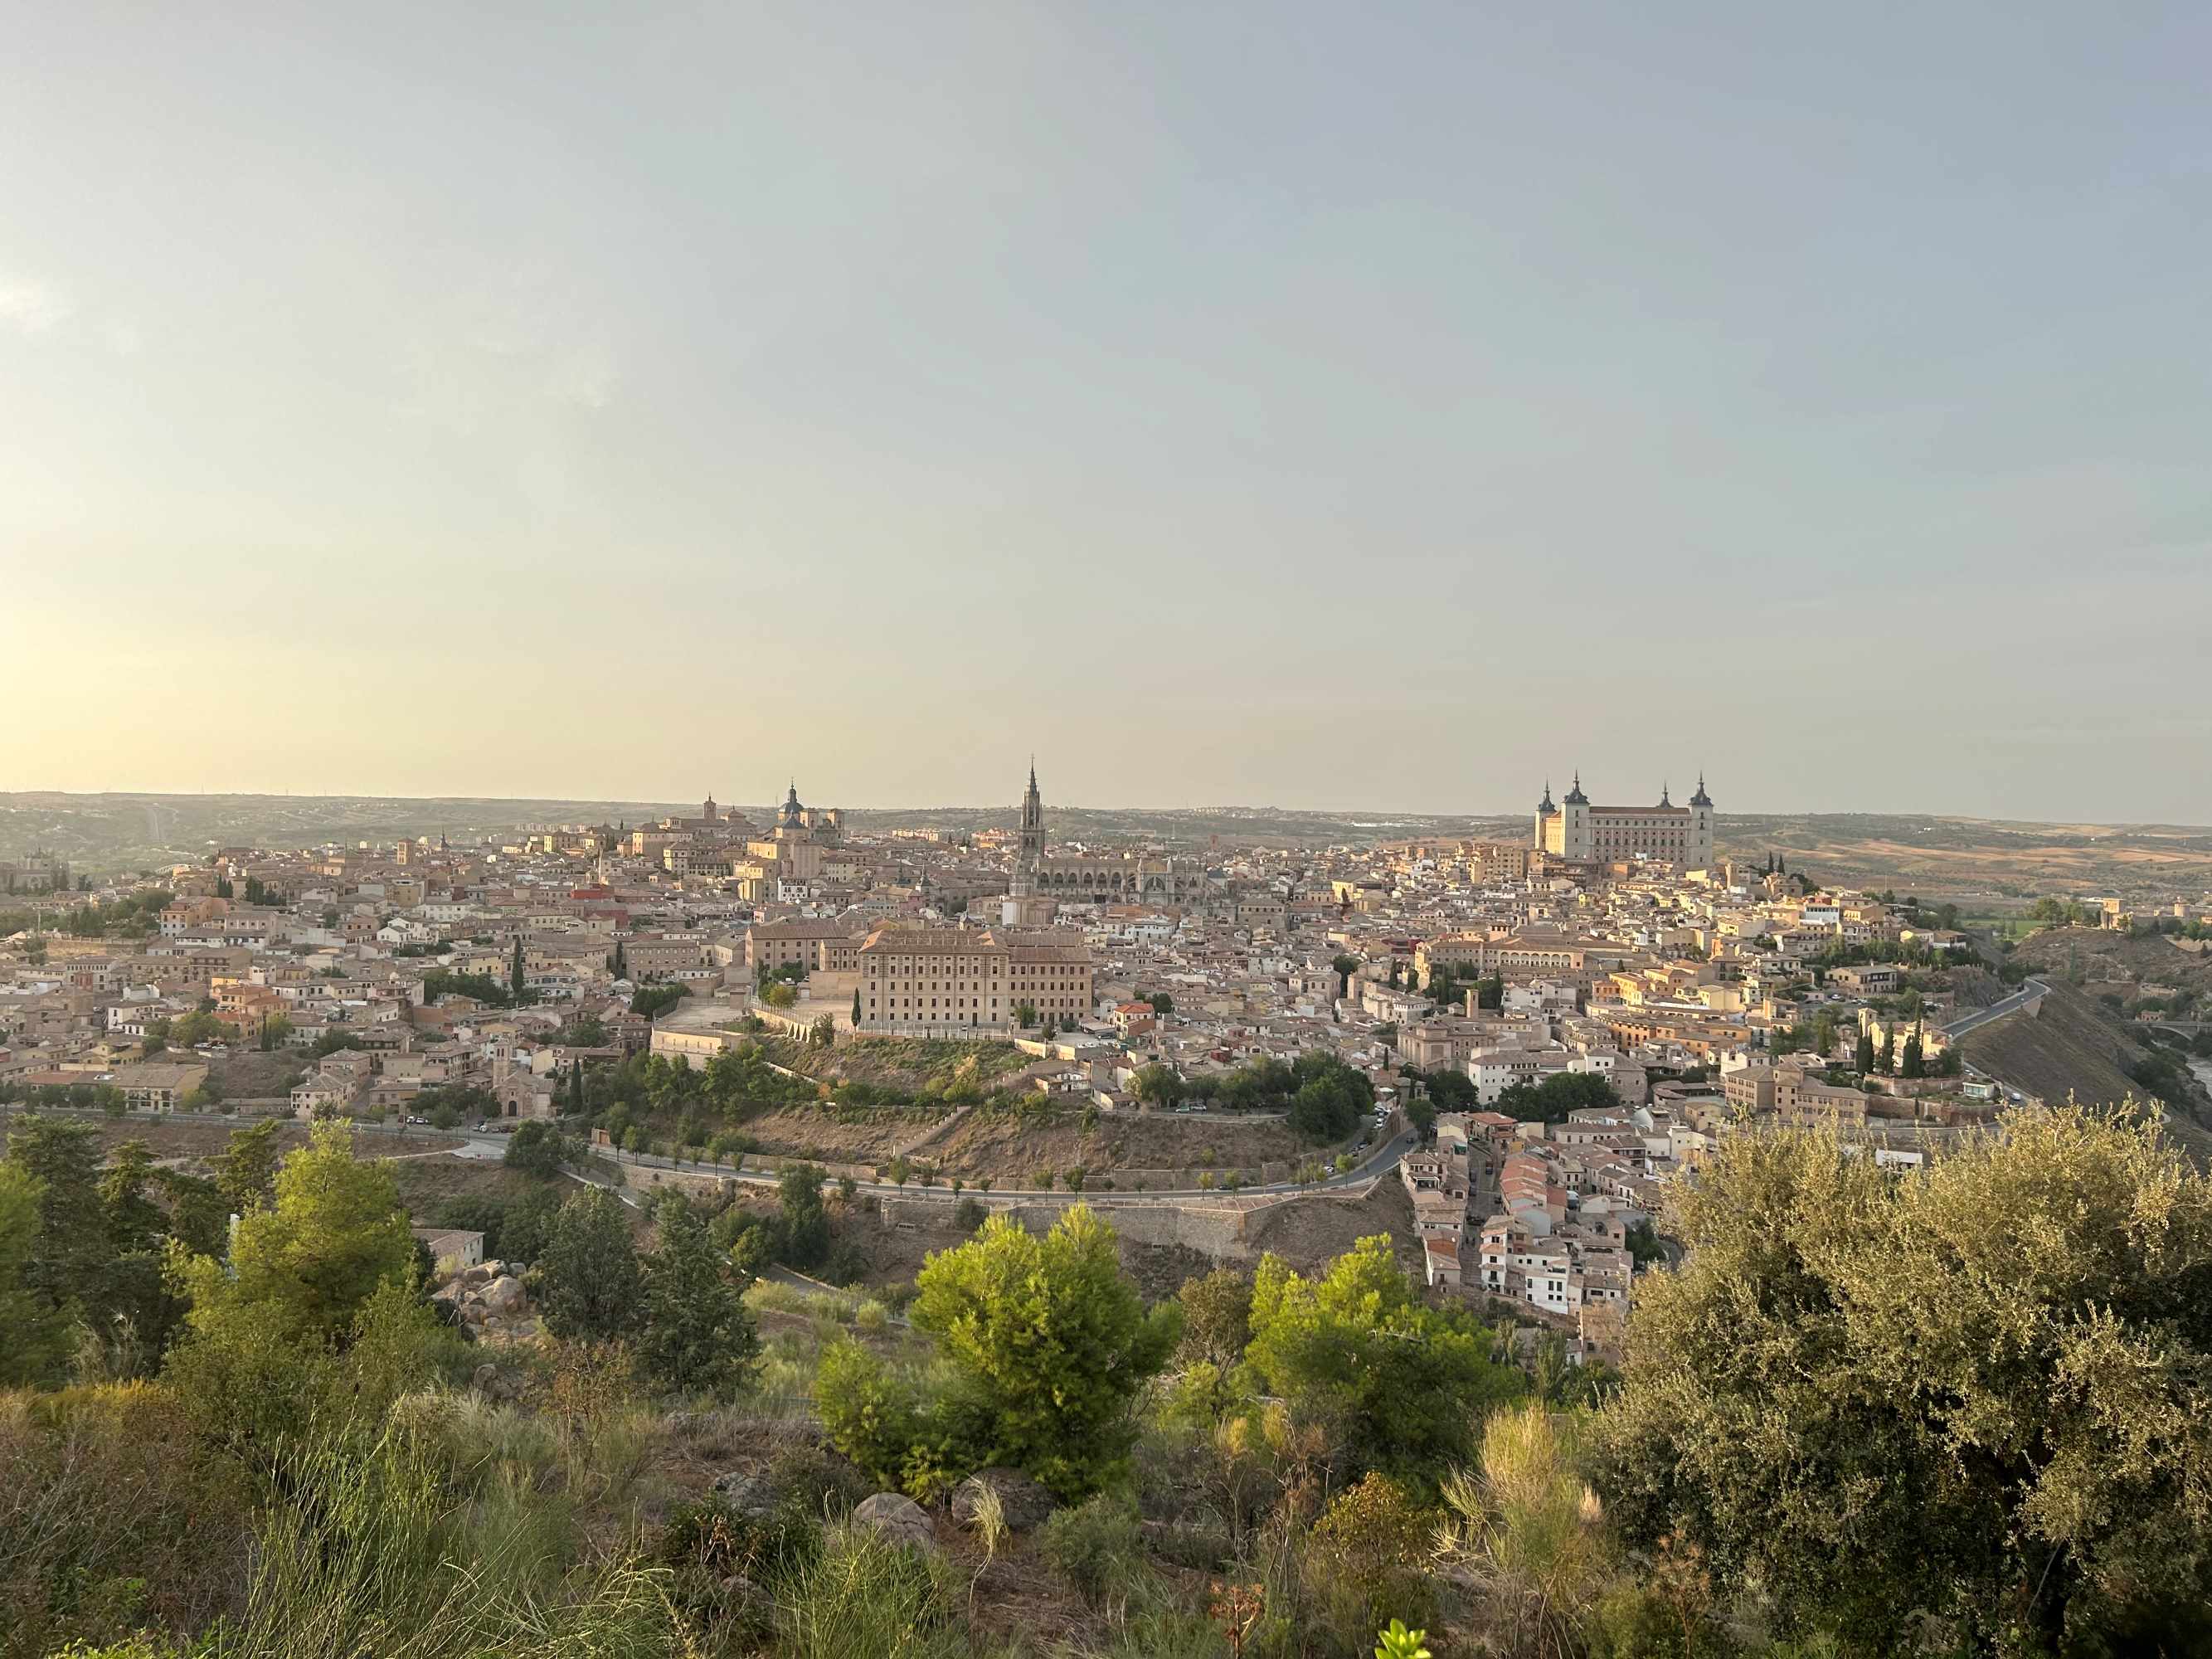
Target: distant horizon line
{"points": [[1382, 814]]}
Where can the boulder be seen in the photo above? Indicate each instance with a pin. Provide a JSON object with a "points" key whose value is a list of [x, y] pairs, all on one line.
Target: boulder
{"points": [[474, 1313], [1022, 1503], [485, 1379], [504, 1295], [896, 1519]]}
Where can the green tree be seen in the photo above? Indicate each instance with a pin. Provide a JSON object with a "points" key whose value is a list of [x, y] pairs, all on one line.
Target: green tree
{"points": [[1049, 1333], [535, 1148], [518, 980], [1981, 1392], [1162, 1004], [1329, 1097], [1863, 1057], [1157, 1085], [70, 1264], [856, 1008], [189, 1030], [307, 1262], [198, 1219], [1396, 1385], [275, 1030], [1911, 1063], [1216, 1318], [587, 1280], [699, 1335], [803, 1220], [1558, 1095], [38, 1328], [246, 1174]]}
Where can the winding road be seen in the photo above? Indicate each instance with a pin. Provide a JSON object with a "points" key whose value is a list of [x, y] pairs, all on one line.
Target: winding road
{"points": [[2030, 990]]}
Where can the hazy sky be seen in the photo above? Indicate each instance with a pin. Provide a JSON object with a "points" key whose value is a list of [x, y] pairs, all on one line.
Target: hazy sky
{"points": [[1322, 404]]}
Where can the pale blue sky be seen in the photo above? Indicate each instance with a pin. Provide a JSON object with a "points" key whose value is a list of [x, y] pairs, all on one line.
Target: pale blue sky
{"points": [[1372, 406]]}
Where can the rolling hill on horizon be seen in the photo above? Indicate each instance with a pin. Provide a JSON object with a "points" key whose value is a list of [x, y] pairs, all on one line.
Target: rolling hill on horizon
{"points": [[1970, 860]]}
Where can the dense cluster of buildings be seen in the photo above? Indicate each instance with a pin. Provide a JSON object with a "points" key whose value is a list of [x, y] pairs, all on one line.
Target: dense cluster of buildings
{"points": [[1613, 942]]}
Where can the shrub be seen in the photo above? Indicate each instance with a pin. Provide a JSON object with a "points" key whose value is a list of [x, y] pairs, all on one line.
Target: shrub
{"points": [[713, 1537], [865, 1598], [820, 1482], [871, 1415], [1093, 1545], [112, 1517], [1365, 1557]]}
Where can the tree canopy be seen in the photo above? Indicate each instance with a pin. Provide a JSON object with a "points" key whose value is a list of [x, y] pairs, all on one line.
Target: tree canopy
{"points": [[334, 1233], [588, 1282], [699, 1335], [1981, 1392], [1401, 1386], [1552, 1100], [1053, 1337]]}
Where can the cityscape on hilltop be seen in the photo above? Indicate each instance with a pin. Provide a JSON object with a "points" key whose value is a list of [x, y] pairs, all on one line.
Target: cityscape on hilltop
{"points": [[1094, 831]]}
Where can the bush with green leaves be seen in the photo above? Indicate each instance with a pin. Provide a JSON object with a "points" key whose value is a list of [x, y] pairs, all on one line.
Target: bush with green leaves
{"points": [[713, 1537], [1980, 1392], [1397, 1385], [1093, 1545], [1050, 1335], [1367, 1557]]}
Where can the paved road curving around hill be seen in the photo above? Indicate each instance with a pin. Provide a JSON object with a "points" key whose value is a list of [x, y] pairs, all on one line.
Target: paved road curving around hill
{"points": [[2028, 992]]}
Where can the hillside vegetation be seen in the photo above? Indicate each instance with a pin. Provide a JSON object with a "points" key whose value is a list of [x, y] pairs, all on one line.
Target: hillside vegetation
{"points": [[1960, 1410]]}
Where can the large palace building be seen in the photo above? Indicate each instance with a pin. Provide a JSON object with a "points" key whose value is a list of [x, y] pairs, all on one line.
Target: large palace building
{"points": [[1680, 835], [925, 982]]}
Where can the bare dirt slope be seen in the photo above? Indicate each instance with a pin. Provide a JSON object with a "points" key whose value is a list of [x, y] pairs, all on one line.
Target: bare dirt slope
{"points": [[2069, 1047], [1313, 1230], [1004, 1145]]}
